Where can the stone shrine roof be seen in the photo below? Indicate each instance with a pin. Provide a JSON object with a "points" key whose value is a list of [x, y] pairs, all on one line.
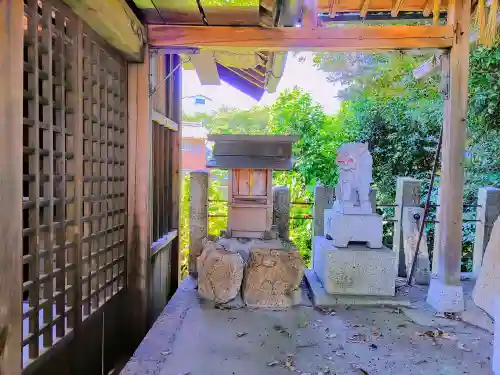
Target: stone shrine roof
{"points": [[252, 151]]}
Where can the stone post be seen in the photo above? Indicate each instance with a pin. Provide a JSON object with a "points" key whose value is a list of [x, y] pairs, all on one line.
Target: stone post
{"points": [[198, 216], [281, 210], [323, 199], [488, 200], [407, 194], [373, 199]]}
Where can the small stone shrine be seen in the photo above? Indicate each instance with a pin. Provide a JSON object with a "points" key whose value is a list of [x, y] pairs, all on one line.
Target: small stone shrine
{"points": [[349, 260], [250, 264]]}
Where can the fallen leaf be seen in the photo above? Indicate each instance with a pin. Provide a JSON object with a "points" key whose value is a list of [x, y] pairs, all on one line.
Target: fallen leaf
{"points": [[273, 363], [331, 336], [280, 329], [373, 346], [241, 334], [402, 325], [463, 347], [289, 364], [361, 370]]}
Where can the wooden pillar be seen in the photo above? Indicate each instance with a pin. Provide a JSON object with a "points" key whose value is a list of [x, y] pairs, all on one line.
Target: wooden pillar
{"points": [[139, 193], [11, 185], [445, 292], [176, 116]]}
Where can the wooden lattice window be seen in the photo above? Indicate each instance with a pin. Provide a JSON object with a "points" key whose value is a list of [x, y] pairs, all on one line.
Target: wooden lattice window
{"points": [[104, 174], [162, 194], [74, 174]]}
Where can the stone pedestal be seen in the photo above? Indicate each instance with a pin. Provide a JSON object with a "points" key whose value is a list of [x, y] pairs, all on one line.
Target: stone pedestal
{"points": [[355, 270], [348, 228], [272, 278]]}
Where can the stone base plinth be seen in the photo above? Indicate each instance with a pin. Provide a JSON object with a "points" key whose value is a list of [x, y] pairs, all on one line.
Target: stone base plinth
{"points": [[272, 278], [355, 270], [445, 298], [353, 228], [321, 298]]}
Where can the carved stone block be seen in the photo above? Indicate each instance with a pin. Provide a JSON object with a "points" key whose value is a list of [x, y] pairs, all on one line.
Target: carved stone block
{"points": [[220, 273], [272, 278]]}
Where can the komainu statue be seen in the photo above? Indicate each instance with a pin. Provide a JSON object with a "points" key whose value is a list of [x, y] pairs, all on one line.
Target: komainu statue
{"points": [[355, 175]]}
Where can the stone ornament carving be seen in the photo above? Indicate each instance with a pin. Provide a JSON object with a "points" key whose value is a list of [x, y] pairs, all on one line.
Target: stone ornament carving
{"points": [[355, 176], [352, 218], [220, 273], [272, 278]]}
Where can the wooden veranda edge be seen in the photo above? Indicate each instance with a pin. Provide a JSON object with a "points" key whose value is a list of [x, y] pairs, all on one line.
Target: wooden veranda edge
{"points": [[292, 38]]}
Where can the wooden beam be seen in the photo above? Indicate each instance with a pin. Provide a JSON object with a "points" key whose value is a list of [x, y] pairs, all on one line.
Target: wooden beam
{"points": [[176, 176], [11, 185], [364, 8], [292, 38], [396, 8], [139, 156], [115, 22], [164, 120], [445, 292], [204, 63], [432, 65]]}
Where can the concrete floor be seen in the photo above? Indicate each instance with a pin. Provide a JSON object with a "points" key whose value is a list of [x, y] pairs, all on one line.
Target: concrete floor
{"points": [[193, 338]]}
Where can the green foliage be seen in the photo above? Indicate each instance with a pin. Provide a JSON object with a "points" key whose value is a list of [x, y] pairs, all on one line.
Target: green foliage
{"points": [[234, 121], [400, 117], [295, 112]]}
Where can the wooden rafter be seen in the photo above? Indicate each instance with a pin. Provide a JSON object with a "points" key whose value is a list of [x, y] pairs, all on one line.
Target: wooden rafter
{"points": [[396, 8], [275, 39], [364, 8]]}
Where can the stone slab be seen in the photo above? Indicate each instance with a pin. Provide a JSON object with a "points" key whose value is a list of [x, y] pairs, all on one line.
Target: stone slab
{"points": [[488, 282], [321, 298], [355, 270], [345, 229]]}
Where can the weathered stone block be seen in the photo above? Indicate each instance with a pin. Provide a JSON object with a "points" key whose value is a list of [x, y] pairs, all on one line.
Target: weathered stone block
{"points": [[355, 270], [353, 228], [272, 278], [487, 286], [220, 273], [411, 229]]}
